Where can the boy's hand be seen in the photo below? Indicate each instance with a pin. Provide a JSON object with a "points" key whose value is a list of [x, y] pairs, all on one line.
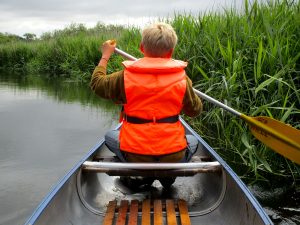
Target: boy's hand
{"points": [[108, 48]]}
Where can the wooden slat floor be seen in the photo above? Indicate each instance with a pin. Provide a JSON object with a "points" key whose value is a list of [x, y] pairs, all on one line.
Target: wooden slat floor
{"points": [[157, 212]]}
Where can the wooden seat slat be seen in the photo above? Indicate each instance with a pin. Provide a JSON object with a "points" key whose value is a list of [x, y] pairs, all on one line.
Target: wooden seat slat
{"points": [[133, 215], [110, 213], [161, 212], [146, 212], [158, 218], [183, 211], [171, 214], [121, 220]]}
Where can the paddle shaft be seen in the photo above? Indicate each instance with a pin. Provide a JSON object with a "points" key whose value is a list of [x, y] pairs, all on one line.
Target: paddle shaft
{"points": [[199, 93]]}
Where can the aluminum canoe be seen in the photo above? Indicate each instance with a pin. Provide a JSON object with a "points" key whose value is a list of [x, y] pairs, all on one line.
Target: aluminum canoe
{"points": [[211, 191]]}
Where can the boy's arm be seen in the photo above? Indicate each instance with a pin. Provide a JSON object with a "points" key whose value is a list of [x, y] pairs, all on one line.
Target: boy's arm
{"points": [[111, 86], [108, 86], [192, 105]]}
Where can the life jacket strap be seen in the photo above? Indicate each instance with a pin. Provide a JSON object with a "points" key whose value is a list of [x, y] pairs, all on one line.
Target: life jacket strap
{"points": [[137, 120]]}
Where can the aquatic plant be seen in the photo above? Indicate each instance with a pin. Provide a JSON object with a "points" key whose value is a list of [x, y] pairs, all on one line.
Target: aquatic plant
{"points": [[249, 61]]}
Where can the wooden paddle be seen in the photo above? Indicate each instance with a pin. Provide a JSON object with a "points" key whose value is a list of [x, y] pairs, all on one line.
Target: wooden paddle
{"points": [[280, 137]]}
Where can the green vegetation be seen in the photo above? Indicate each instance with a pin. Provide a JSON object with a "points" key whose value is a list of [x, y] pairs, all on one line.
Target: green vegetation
{"points": [[249, 60], [71, 52], [6, 38]]}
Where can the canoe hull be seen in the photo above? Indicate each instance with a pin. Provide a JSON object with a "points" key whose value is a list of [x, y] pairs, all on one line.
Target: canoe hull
{"points": [[218, 198]]}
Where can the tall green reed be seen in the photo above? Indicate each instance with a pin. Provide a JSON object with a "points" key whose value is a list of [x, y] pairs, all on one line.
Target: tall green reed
{"points": [[250, 61]]}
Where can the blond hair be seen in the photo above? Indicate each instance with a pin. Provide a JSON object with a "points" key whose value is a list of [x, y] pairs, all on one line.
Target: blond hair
{"points": [[158, 39]]}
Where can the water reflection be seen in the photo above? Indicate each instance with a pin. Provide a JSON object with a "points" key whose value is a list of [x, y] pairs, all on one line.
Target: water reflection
{"points": [[60, 89], [46, 126]]}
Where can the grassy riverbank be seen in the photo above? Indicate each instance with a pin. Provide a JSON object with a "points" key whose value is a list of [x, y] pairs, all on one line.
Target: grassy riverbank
{"points": [[250, 60]]}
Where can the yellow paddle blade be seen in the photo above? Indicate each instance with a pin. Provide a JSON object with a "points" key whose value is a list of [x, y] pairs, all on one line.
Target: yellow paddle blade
{"points": [[280, 137]]}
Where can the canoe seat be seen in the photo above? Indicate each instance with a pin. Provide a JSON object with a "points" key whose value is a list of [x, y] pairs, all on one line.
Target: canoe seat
{"points": [[147, 212], [116, 168]]}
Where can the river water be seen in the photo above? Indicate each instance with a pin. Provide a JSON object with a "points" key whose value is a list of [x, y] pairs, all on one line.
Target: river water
{"points": [[46, 127]]}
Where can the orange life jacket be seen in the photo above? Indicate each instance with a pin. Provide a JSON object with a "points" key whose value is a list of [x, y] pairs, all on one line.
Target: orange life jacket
{"points": [[154, 88]]}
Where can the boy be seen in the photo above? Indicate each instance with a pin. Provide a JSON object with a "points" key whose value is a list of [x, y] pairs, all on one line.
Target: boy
{"points": [[153, 91]]}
